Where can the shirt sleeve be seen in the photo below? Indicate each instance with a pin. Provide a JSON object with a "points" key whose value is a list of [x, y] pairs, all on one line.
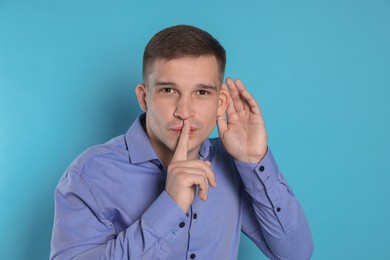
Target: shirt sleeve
{"points": [[272, 216], [81, 231]]}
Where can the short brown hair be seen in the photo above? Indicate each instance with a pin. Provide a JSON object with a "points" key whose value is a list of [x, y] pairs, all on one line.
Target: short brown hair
{"points": [[179, 41]]}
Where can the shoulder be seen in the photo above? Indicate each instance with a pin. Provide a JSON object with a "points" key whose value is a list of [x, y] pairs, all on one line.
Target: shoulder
{"points": [[218, 150], [215, 142], [217, 145], [98, 156]]}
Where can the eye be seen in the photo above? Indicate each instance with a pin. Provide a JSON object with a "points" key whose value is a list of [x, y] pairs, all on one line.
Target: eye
{"points": [[202, 92], [167, 90]]}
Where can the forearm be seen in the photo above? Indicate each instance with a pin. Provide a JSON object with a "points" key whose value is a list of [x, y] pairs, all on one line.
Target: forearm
{"points": [[139, 241], [136, 242], [281, 217], [82, 231]]}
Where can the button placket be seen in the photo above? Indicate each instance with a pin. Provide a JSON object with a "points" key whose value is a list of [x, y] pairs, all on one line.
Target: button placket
{"points": [[194, 216]]}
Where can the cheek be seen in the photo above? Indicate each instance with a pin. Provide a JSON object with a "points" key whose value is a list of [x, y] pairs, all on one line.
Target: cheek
{"points": [[162, 106], [209, 109], [159, 108], [209, 116], [160, 116]]}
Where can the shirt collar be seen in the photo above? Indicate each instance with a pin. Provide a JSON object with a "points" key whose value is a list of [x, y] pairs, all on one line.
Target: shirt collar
{"points": [[138, 144], [140, 149], [205, 149]]}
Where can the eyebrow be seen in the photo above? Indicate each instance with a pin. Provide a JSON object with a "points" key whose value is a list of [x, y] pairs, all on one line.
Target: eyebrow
{"points": [[206, 86], [172, 84], [165, 83]]}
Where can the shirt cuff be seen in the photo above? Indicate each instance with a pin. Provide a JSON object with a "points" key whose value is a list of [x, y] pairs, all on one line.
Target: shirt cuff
{"points": [[164, 216], [266, 171]]}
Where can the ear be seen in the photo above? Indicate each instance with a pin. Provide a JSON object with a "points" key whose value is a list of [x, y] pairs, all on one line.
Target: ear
{"points": [[141, 92], [224, 97]]}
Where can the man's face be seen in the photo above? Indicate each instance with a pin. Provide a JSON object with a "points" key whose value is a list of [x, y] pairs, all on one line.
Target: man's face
{"points": [[187, 88]]}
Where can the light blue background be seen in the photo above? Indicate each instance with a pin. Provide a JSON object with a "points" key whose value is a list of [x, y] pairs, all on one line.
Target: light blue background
{"points": [[319, 69]]}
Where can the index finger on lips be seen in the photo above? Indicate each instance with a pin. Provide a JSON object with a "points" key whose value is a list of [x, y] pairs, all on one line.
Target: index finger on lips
{"points": [[182, 145]]}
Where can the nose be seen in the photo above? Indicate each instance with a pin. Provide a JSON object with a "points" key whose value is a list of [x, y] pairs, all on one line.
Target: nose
{"points": [[184, 108]]}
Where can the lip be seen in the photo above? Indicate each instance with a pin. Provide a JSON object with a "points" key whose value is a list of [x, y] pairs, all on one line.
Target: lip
{"points": [[177, 130]]}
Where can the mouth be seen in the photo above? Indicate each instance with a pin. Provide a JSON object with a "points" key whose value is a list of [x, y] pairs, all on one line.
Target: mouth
{"points": [[177, 130]]}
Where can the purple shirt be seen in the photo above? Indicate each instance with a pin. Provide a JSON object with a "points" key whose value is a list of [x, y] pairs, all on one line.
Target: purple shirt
{"points": [[111, 203]]}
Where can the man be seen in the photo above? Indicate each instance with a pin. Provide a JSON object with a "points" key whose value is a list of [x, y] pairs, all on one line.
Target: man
{"points": [[164, 190]]}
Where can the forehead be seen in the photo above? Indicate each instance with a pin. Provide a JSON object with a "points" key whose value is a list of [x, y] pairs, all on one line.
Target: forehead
{"points": [[188, 69]]}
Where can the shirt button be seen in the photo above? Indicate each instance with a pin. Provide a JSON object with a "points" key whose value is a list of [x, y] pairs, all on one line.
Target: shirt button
{"points": [[182, 224], [261, 168], [195, 216], [278, 209], [192, 256]]}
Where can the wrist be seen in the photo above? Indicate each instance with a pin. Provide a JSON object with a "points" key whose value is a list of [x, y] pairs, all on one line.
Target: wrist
{"points": [[252, 158]]}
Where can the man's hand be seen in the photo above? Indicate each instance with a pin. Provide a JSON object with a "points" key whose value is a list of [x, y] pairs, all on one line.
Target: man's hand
{"points": [[183, 175], [243, 132]]}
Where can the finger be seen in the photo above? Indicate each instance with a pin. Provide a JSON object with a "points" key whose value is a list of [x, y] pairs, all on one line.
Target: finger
{"points": [[197, 167], [222, 125], [235, 94], [241, 89], [211, 175], [230, 108], [182, 145], [249, 101], [203, 189], [206, 167], [192, 180]]}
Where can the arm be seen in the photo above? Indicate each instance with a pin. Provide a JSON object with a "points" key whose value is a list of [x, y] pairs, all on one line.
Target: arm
{"points": [[272, 216], [83, 231]]}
